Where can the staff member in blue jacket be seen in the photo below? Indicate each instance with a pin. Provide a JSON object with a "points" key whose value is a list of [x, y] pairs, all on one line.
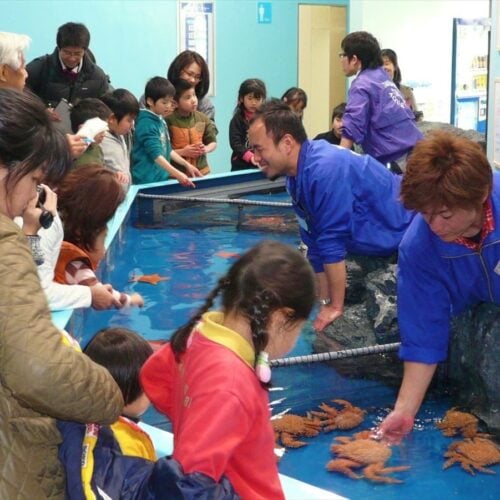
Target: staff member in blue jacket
{"points": [[345, 203], [449, 259]]}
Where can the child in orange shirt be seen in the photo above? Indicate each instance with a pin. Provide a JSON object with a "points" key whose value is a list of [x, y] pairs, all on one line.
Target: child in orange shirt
{"points": [[192, 133]]}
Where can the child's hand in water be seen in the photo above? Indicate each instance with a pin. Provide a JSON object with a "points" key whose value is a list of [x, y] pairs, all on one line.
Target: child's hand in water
{"points": [[136, 300]]}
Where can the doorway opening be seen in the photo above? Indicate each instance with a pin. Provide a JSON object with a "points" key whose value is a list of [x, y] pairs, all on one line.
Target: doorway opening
{"points": [[321, 29]]}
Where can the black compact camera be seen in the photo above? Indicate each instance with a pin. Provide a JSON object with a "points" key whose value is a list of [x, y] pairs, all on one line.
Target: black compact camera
{"points": [[46, 218]]}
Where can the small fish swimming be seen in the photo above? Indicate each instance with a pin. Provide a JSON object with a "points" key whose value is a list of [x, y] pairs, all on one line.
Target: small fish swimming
{"points": [[227, 255], [152, 279]]}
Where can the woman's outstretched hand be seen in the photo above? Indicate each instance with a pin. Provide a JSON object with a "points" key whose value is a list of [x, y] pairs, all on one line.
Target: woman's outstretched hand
{"points": [[395, 427]]}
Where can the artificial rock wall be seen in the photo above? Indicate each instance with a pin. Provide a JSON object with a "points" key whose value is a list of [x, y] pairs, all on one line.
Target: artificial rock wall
{"points": [[472, 372]]}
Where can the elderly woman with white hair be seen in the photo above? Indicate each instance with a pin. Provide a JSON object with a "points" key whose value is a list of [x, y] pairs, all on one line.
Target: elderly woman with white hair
{"points": [[13, 72], [13, 75]]}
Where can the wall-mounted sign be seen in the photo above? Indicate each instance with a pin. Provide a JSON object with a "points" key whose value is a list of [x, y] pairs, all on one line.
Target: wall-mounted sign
{"points": [[264, 12], [196, 32]]}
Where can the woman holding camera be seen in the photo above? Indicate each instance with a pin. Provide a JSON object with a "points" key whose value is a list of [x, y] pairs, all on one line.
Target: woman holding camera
{"points": [[41, 376]]}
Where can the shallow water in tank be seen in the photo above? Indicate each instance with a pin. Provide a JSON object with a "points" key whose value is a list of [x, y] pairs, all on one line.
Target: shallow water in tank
{"points": [[193, 246]]}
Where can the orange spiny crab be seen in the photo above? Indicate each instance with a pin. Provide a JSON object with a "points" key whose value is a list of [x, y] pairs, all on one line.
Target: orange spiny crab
{"points": [[287, 427], [473, 453], [332, 418], [458, 422], [361, 451]]}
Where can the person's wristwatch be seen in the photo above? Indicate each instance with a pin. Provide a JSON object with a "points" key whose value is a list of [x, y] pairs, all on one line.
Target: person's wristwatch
{"points": [[325, 302]]}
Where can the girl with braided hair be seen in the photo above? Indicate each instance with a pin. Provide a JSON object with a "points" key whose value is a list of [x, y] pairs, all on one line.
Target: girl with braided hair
{"points": [[211, 379]]}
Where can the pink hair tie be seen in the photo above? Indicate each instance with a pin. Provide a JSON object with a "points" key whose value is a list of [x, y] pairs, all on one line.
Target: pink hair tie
{"points": [[263, 370]]}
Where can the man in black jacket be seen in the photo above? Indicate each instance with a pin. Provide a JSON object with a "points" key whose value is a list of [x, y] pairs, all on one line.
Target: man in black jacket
{"points": [[68, 73]]}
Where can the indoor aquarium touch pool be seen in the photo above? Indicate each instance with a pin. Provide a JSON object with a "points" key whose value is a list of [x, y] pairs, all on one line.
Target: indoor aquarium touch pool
{"points": [[192, 245]]}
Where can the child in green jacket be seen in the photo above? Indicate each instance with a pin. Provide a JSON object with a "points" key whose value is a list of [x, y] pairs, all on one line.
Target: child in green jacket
{"points": [[151, 152]]}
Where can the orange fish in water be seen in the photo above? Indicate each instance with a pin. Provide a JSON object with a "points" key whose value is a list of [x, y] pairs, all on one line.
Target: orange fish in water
{"points": [[152, 279], [227, 255]]}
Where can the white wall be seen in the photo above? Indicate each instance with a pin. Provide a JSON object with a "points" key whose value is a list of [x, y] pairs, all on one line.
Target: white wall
{"points": [[420, 31]]}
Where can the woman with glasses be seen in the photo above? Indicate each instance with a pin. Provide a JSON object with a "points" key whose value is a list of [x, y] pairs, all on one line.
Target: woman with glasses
{"points": [[190, 66]]}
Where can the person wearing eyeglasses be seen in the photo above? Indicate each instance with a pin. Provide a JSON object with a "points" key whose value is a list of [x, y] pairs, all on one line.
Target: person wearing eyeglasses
{"points": [[376, 115], [68, 73], [190, 66]]}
